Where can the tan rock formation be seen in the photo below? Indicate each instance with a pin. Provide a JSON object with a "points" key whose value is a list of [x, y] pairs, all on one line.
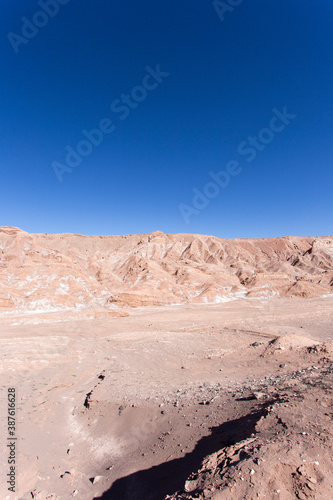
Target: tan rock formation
{"points": [[61, 272]]}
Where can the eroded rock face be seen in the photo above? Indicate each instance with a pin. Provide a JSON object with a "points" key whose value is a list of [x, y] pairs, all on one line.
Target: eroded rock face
{"points": [[6, 303], [58, 272], [325, 244]]}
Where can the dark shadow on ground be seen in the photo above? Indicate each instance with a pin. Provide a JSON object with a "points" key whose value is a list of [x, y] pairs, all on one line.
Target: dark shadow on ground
{"points": [[169, 477]]}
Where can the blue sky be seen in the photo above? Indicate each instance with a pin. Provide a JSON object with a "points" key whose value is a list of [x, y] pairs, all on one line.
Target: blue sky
{"points": [[223, 71]]}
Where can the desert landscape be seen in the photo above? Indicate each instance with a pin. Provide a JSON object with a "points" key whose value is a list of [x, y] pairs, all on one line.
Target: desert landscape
{"points": [[166, 250], [167, 366]]}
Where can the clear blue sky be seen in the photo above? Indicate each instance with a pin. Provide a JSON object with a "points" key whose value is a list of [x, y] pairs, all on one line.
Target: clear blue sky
{"points": [[225, 78]]}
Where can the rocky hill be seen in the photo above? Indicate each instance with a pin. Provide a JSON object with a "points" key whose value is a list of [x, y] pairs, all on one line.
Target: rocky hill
{"points": [[67, 272]]}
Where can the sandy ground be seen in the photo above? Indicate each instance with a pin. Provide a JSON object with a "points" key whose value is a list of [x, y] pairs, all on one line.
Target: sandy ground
{"points": [[130, 407]]}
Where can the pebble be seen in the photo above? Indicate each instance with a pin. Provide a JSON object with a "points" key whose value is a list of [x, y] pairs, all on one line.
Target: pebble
{"points": [[66, 473], [301, 470], [258, 395], [95, 479]]}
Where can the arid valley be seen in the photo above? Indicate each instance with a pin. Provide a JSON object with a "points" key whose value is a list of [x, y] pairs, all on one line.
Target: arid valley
{"points": [[154, 366]]}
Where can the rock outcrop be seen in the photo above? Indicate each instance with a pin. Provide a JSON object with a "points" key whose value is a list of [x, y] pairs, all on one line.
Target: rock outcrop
{"points": [[61, 272]]}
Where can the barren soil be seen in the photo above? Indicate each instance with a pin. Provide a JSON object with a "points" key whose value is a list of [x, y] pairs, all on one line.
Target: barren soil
{"points": [[225, 401]]}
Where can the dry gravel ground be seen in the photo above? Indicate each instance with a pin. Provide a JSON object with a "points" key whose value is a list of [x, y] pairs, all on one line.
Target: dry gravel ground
{"points": [[225, 401]]}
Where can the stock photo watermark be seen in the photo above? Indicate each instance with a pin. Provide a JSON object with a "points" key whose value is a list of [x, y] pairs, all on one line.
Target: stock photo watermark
{"points": [[121, 108], [222, 8], [249, 149], [11, 439], [31, 27]]}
